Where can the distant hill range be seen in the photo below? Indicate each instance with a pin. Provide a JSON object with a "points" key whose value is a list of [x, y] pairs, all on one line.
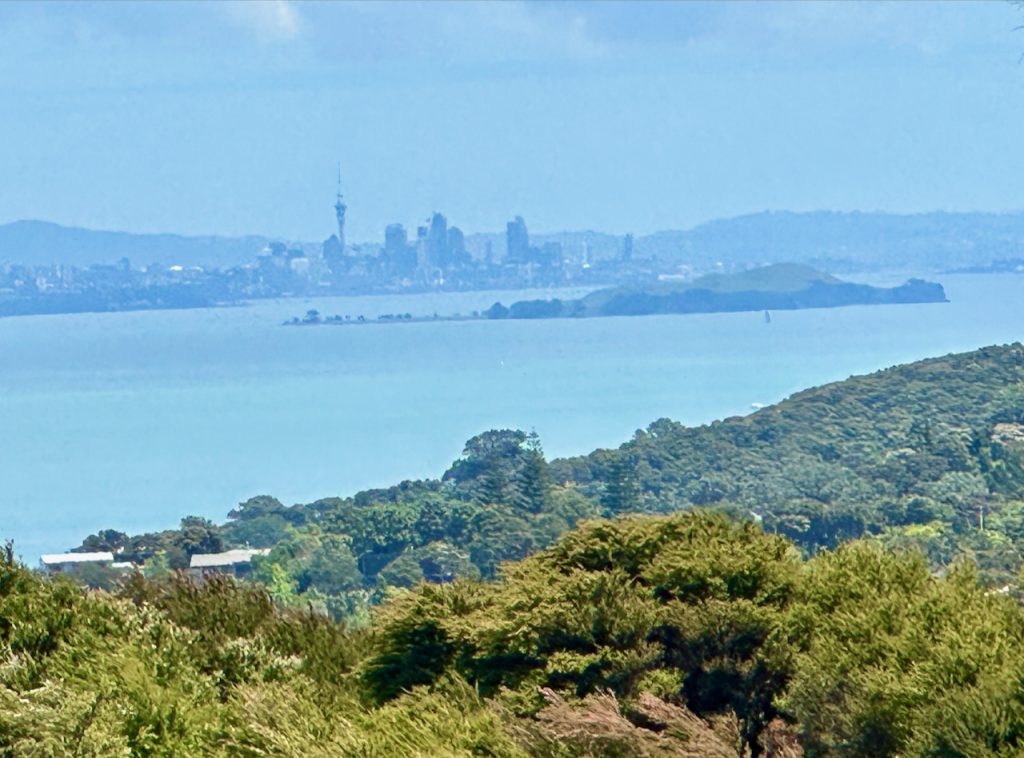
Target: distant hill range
{"points": [[879, 240], [838, 242], [835, 241], [41, 243]]}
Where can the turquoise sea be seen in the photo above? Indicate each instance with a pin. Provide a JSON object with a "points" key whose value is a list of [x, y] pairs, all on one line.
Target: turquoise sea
{"points": [[133, 420]]}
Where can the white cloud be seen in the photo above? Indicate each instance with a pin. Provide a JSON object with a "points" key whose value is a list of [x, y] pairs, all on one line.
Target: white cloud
{"points": [[531, 29], [929, 29], [451, 32], [270, 20]]}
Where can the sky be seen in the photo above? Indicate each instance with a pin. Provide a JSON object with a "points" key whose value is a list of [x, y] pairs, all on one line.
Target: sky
{"points": [[231, 118]]}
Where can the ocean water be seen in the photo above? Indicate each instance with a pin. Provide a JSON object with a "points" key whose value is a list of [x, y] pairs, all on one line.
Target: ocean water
{"points": [[133, 420]]}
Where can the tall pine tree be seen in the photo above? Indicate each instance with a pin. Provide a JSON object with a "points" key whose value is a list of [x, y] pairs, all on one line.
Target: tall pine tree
{"points": [[532, 479], [621, 492]]}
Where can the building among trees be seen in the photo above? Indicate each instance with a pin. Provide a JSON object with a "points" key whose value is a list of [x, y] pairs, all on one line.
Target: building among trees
{"points": [[236, 562], [62, 562]]}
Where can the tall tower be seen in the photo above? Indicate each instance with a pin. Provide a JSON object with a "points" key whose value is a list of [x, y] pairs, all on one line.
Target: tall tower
{"points": [[339, 212]]}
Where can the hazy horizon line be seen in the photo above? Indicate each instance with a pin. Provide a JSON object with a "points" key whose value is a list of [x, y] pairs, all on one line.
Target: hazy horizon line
{"points": [[533, 232]]}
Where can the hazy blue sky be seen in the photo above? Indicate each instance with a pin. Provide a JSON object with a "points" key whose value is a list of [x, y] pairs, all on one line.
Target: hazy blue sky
{"points": [[230, 118]]}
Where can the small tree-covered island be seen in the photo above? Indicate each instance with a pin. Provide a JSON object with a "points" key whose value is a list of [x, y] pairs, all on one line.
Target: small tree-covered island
{"points": [[780, 286], [835, 575]]}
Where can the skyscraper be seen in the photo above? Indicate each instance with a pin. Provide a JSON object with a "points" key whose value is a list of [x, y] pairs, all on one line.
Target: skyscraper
{"points": [[517, 241], [456, 246], [437, 241], [399, 255], [395, 239], [627, 247], [422, 248], [339, 212]]}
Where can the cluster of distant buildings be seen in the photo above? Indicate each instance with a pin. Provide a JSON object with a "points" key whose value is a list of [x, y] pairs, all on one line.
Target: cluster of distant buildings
{"points": [[439, 250], [436, 255]]}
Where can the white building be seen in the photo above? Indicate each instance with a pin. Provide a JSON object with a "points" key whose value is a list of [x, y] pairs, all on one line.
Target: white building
{"points": [[58, 562], [229, 562]]}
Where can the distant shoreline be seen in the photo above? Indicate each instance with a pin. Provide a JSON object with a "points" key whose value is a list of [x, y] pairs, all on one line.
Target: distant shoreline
{"points": [[336, 320], [779, 287], [45, 306]]}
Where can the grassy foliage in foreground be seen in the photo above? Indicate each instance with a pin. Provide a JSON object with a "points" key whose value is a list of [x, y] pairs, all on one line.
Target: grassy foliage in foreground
{"points": [[688, 634]]}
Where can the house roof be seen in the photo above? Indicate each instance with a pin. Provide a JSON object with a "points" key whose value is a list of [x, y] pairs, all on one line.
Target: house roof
{"points": [[227, 558], [55, 558]]}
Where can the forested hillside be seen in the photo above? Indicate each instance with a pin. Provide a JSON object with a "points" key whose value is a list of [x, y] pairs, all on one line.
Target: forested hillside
{"points": [[926, 455]]}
